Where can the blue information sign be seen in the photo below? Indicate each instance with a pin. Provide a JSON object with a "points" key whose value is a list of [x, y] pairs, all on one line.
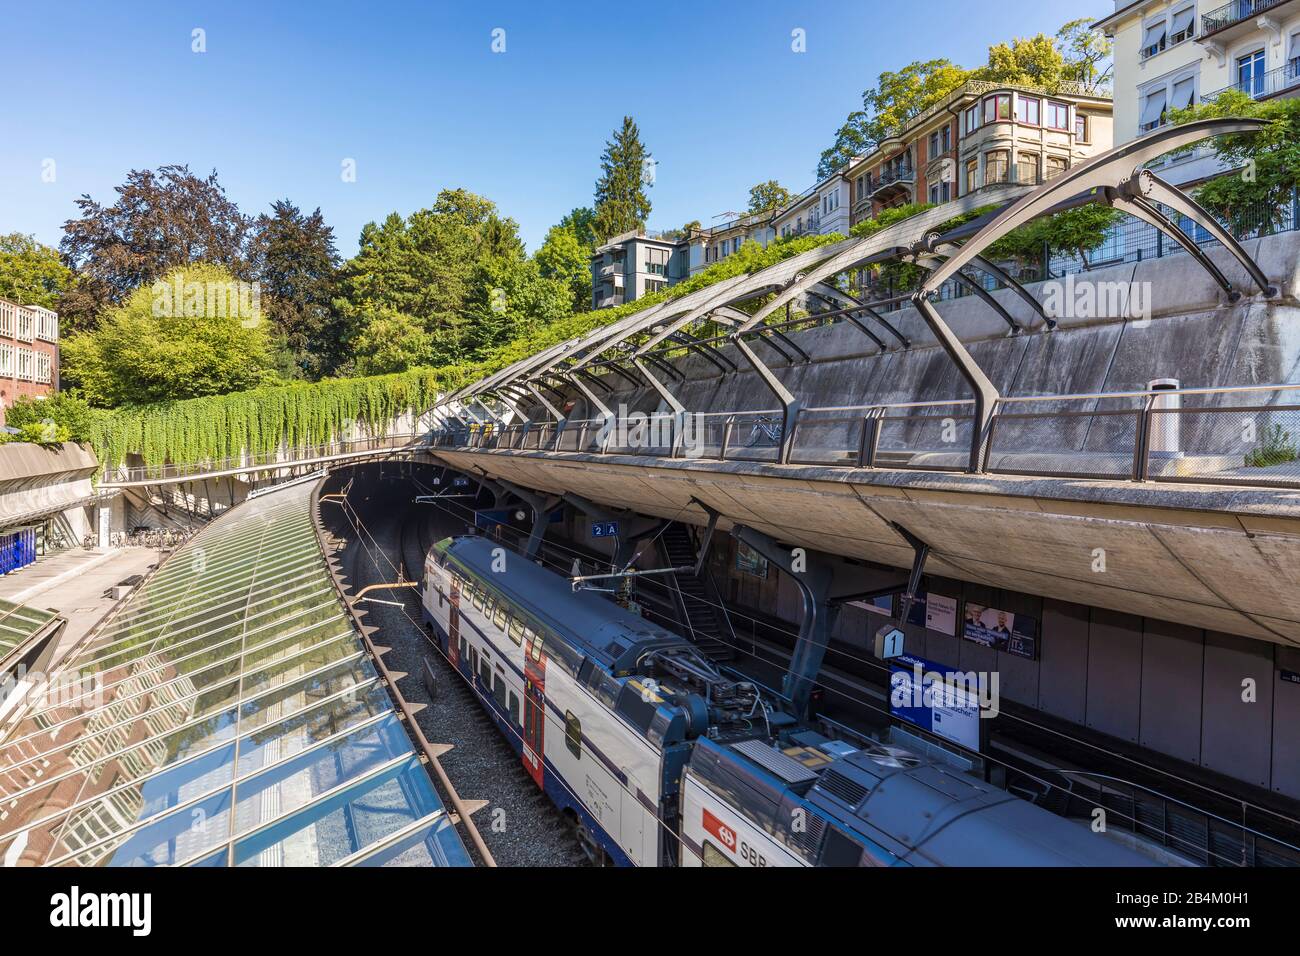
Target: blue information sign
{"points": [[935, 698], [604, 529]]}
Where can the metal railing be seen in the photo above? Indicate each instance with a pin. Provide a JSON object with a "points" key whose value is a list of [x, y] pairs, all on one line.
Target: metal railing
{"points": [[281, 458], [1231, 13], [1238, 435], [1262, 85]]}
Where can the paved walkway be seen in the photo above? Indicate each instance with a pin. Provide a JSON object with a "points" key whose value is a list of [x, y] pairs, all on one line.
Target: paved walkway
{"points": [[73, 583]]}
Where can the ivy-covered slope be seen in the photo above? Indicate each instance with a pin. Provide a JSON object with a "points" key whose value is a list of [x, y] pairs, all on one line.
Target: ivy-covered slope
{"points": [[263, 419]]}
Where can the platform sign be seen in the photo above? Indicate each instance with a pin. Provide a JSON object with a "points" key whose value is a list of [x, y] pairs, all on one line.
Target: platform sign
{"points": [[604, 529], [489, 518], [460, 481], [935, 698], [889, 642]]}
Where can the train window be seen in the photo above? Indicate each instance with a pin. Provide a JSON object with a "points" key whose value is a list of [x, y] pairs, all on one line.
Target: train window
{"points": [[463, 648], [499, 616], [473, 660], [573, 734], [485, 673], [714, 857], [514, 709], [534, 643], [517, 630], [478, 597], [499, 688]]}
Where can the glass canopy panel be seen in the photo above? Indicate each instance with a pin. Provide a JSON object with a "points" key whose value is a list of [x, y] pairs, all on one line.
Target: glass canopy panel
{"points": [[236, 717], [433, 844]]}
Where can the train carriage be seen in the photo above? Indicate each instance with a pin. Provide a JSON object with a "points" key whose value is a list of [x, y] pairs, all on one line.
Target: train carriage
{"points": [[659, 758]]}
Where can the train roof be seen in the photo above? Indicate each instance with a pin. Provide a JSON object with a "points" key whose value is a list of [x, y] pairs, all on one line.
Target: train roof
{"points": [[595, 627], [914, 810]]}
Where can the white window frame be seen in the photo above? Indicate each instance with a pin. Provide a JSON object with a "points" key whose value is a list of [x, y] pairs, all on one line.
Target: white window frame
{"points": [[8, 321], [25, 364], [8, 360]]}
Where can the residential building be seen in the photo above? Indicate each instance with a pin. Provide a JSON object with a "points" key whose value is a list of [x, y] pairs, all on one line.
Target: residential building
{"points": [[981, 136], [29, 352], [715, 243], [635, 263], [821, 210], [1170, 55]]}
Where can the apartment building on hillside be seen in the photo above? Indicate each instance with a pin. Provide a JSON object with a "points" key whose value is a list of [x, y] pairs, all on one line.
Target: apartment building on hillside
{"points": [[635, 263], [1170, 55], [29, 352], [981, 136], [820, 210]]}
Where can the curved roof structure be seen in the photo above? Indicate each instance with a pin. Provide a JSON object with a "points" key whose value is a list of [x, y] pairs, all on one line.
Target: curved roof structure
{"points": [[1117, 179]]}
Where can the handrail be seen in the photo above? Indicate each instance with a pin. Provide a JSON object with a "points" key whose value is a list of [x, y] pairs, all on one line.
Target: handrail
{"points": [[1140, 443]]}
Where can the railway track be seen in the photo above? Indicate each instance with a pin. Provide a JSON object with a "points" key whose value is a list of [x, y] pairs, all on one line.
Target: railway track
{"points": [[517, 822]]}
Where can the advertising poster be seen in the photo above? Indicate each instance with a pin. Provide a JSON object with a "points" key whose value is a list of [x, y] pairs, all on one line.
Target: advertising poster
{"points": [[750, 561], [1014, 633], [936, 612]]}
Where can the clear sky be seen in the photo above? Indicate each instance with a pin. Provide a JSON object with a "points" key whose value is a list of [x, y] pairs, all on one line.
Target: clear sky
{"points": [[415, 95]]}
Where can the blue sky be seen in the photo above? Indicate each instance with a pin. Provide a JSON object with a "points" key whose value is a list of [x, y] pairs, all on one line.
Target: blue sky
{"points": [[414, 94]]}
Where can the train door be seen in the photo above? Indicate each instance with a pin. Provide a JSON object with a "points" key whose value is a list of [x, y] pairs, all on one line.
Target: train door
{"points": [[534, 749], [453, 623]]}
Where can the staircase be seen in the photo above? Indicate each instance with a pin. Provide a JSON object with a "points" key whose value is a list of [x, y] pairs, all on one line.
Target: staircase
{"points": [[698, 600]]}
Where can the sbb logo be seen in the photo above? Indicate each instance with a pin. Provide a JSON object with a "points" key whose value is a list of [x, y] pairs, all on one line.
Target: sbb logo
{"points": [[726, 836]]}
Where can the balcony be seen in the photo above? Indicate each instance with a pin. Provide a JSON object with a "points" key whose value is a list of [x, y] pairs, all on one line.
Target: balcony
{"points": [[897, 176], [1229, 15], [1264, 85]]}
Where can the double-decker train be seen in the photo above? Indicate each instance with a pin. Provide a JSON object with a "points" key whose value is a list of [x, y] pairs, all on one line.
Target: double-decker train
{"points": [[659, 758]]}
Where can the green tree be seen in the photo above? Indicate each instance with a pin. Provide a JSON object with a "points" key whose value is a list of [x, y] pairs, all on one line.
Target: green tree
{"points": [[424, 266], [160, 220], [31, 273], [565, 257], [1087, 53], [768, 196], [295, 261], [65, 409], [511, 299], [157, 346], [582, 221], [895, 100], [1266, 164], [1031, 61], [621, 200], [391, 342]]}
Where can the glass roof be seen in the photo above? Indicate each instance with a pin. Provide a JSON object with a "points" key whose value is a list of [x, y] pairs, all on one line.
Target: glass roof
{"points": [[18, 624], [228, 716]]}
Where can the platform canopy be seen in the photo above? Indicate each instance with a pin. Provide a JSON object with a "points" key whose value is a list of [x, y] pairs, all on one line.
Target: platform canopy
{"points": [[229, 716]]}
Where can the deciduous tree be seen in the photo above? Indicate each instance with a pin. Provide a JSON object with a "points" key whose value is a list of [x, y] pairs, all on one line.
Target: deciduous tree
{"points": [[295, 261], [161, 219], [157, 347], [31, 273], [768, 196]]}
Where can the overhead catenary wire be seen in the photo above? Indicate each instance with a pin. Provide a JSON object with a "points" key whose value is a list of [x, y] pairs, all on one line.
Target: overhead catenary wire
{"points": [[558, 727], [861, 701]]}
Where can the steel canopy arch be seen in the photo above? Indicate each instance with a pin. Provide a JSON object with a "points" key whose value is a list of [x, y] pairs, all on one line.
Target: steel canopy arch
{"points": [[1114, 178]]}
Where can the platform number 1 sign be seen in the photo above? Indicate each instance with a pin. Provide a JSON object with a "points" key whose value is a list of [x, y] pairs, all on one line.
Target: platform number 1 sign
{"points": [[889, 642]]}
